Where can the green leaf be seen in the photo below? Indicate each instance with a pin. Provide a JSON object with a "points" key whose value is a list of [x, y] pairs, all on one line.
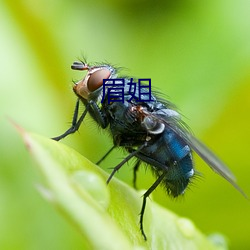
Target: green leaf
{"points": [[106, 215]]}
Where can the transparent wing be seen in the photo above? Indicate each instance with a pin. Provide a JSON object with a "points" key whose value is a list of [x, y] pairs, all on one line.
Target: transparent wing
{"points": [[206, 154], [174, 122]]}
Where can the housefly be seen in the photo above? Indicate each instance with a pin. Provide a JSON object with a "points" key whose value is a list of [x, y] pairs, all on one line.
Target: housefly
{"points": [[150, 131]]}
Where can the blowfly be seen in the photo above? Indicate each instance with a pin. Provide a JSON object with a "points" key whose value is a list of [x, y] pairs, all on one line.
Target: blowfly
{"points": [[150, 130]]}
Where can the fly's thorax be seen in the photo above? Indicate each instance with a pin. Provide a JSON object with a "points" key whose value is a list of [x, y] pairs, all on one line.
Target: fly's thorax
{"points": [[154, 122]]}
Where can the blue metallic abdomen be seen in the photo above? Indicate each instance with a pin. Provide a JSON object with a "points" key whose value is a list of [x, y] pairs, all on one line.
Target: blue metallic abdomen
{"points": [[168, 153]]}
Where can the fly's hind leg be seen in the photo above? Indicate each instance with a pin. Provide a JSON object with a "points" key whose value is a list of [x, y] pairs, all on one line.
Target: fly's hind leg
{"points": [[145, 196]]}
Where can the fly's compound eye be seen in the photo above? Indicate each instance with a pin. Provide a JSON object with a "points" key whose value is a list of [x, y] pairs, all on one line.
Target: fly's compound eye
{"points": [[95, 80]]}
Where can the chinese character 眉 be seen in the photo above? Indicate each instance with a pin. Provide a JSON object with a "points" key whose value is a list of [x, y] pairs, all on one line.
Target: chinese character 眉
{"points": [[149, 128], [115, 90]]}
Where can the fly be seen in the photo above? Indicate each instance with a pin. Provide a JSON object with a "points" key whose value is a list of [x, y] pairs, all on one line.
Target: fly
{"points": [[151, 131]]}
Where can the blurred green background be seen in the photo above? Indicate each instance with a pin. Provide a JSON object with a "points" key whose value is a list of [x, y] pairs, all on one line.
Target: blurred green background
{"points": [[197, 53]]}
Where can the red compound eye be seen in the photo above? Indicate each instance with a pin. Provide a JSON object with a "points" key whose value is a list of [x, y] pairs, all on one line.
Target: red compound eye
{"points": [[95, 80]]}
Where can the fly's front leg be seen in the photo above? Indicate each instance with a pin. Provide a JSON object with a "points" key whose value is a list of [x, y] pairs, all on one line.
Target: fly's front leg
{"points": [[75, 123], [93, 109], [97, 114]]}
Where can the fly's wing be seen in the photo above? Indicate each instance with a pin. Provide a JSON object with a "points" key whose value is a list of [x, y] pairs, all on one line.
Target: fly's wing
{"points": [[174, 123], [212, 160]]}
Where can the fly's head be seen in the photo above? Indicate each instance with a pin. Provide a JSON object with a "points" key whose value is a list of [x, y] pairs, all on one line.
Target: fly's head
{"points": [[90, 87]]}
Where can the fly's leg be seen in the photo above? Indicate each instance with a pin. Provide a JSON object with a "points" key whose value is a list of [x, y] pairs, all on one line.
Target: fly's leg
{"points": [[105, 155], [116, 168], [75, 124], [99, 116], [145, 196], [91, 107], [136, 167]]}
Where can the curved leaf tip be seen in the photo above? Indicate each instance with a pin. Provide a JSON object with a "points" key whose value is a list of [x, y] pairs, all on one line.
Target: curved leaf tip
{"points": [[107, 216]]}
